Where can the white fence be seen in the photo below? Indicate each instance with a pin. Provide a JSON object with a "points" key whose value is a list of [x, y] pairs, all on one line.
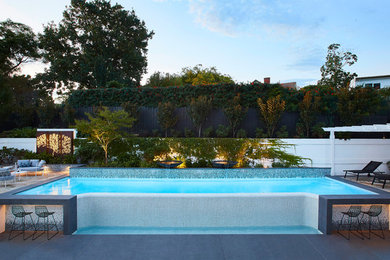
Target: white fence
{"points": [[349, 154], [19, 143]]}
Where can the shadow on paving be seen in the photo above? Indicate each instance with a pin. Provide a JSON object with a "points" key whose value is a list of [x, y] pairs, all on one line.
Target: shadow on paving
{"points": [[195, 247]]}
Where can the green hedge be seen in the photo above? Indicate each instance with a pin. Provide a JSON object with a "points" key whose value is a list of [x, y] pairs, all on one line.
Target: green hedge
{"points": [[180, 96]]}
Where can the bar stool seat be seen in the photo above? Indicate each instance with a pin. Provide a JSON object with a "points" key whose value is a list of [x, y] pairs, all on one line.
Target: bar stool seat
{"points": [[374, 212], [353, 223]]}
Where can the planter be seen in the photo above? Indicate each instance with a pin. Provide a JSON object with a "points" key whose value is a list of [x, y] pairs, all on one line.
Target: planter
{"points": [[224, 164], [169, 164]]}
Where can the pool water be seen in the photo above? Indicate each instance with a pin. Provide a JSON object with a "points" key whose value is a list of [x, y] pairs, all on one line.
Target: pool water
{"points": [[98, 230], [74, 186]]}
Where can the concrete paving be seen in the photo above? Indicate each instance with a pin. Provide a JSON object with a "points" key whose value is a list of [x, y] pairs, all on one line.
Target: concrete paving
{"points": [[188, 247]]}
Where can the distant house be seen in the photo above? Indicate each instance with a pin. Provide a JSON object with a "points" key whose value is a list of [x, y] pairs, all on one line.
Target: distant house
{"points": [[289, 85], [377, 82]]}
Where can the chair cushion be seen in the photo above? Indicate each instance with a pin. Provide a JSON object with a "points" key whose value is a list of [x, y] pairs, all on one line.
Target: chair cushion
{"points": [[34, 163], [24, 163], [41, 163]]}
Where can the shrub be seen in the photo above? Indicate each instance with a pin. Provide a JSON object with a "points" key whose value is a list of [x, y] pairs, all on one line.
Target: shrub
{"points": [[222, 131], [260, 133], [241, 133], [26, 132], [188, 133], [282, 133], [208, 132]]}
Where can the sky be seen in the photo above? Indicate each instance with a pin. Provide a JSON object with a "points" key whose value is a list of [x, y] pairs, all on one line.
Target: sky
{"points": [[246, 39]]}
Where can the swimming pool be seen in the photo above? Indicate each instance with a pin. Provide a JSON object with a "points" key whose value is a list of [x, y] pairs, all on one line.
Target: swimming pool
{"points": [[76, 186]]}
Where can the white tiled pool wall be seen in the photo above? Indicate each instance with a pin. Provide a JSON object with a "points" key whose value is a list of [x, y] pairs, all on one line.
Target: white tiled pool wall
{"points": [[58, 215], [384, 216], [200, 210]]}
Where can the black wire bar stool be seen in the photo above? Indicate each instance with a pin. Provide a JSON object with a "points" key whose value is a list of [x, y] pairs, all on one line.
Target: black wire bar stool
{"points": [[42, 212], [353, 222], [373, 213], [20, 213]]}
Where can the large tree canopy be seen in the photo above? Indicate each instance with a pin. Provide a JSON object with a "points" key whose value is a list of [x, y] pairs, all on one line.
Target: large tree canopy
{"points": [[18, 45], [95, 43], [332, 72]]}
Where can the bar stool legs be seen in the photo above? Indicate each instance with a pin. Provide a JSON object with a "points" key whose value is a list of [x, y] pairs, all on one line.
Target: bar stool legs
{"points": [[20, 213], [42, 212], [350, 215], [373, 213]]}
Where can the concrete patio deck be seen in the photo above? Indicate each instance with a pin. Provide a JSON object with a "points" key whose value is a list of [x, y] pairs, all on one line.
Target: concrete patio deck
{"points": [[202, 247]]}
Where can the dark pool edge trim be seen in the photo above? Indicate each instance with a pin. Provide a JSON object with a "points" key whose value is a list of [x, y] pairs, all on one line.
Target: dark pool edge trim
{"points": [[68, 202], [326, 202]]}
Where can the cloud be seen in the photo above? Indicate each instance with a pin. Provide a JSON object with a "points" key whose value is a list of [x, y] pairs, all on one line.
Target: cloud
{"points": [[270, 17], [307, 58]]}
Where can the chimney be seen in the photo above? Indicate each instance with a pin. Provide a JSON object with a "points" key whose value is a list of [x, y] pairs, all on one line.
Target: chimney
{"points": [[267, 80]]}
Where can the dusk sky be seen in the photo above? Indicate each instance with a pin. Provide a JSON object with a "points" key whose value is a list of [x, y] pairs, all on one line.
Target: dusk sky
{"points": [[247, 39]]}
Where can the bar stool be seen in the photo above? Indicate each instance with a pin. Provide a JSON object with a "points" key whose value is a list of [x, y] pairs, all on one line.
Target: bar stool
{"points": [[19, 212], [374, 212], [352, 214], [42, 212]]}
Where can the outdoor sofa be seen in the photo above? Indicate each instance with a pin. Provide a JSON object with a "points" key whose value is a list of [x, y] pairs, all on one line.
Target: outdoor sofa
{"points": [[30, 165]]}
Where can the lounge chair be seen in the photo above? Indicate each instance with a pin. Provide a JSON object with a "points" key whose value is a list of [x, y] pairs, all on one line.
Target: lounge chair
{"points": [[5, 175], [381, 177], [368, 169]]}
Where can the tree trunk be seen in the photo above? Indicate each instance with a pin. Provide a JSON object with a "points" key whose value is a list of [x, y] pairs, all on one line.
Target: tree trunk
{"points": [[200, 130], [106, 155]]}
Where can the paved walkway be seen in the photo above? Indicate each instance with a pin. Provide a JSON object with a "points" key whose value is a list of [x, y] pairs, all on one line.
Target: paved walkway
{"points": [[200, 247]]}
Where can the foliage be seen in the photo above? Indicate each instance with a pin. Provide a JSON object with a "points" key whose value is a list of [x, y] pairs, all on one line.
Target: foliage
{"points": [[199, 110], [204, 76], [241, 133], [219, 95], [18, 45], [88, 152], [93, 44], [222, 131], [353, 106], [318, 131], [260, 133], [208, 132], [282, 132], [26, 132], [332, 72], [235, 113], [132, 109], [188, 132], [105, 127], [307, 111], [195, 152], [270, 112], [166, 116], [159, 79]]}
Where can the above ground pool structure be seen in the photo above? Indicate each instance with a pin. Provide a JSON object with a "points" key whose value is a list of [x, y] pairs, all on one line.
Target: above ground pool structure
{"points": [[195, 201]]}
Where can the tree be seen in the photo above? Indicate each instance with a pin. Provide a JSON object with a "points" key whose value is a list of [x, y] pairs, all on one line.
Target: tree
{"points": [[105, 127], [271, 112], [18, 45], [199, 110], [166, 116], [202, 76], [332, 71], [235, 113], [95, 43], [307, 111], [159, 79]]}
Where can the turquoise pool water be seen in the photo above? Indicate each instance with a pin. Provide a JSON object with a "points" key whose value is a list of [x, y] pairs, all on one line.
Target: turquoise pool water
{"points": [[74, 186], [96, 230]]}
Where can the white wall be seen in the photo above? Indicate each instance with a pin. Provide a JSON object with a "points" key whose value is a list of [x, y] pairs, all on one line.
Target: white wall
{"points": [[19, 143], [349, 154], [385, 82]]}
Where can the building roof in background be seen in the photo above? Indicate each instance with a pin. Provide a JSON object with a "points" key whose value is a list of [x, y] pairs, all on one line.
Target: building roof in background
{"points": [[374, 77]]}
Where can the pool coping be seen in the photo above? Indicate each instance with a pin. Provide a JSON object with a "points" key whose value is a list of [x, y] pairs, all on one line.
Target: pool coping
{"points": [[69, 202]]}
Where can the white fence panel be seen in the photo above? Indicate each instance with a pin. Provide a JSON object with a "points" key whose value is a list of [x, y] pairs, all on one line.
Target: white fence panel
{"points": [[19, 143]]}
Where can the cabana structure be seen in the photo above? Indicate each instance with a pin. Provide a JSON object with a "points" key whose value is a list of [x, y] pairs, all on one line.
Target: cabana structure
{"points": [[378, 128]]}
